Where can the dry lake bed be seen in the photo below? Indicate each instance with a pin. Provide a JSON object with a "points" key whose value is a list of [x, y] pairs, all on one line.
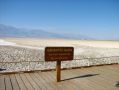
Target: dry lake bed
{"points": [[18, 54], [63, 42]]}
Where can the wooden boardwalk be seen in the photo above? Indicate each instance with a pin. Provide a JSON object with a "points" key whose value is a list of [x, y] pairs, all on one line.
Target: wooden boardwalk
{"points": [[92, 78]]}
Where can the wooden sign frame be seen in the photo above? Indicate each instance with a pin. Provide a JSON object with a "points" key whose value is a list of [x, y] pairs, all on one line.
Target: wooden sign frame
{"points": [[59, 54]]}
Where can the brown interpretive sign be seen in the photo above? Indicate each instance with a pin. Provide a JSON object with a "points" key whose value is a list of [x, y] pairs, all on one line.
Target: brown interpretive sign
{"points": [[59, 53]]}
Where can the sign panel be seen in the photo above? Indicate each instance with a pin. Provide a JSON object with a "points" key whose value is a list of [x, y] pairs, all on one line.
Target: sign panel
{"points": [[59, 53]]}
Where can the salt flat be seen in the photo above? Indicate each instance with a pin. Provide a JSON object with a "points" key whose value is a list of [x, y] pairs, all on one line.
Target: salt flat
{"points": [[30, 52], [3, 42], [63, 42]]}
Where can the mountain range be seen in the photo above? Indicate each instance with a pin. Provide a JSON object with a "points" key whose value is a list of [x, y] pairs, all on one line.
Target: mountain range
{"points": [[11, 31]]}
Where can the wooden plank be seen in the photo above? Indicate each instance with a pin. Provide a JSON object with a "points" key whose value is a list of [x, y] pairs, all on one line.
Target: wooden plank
{"points": [[14, 82], [106, 80], [109, 80], [103, 80], [52, 82], [114, 68], [83, 83], [8, 83], [38, 82], [46, 84], [50, 79], [111, 75], [70, 85], [34, 85], [26, 82], [20, 82], [96, 80], [46, 79], [60, 85], [2, 83]]}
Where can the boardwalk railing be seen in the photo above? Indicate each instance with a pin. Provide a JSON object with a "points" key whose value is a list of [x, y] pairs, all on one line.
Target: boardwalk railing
{"points": [[42, 65]]}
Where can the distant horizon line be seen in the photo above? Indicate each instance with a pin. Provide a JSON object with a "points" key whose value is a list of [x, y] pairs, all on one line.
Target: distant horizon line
{"points": [[49, 32]]}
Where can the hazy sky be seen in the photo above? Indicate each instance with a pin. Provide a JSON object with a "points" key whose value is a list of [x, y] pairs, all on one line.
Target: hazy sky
{"points": [[93, 18]]}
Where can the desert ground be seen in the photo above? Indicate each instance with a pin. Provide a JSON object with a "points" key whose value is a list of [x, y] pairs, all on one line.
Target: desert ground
{"points": [[64, 42], [22, 54]]}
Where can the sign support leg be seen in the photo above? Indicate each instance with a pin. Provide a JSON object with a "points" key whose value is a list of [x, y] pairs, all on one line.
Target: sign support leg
{"points": [[58, 69]]}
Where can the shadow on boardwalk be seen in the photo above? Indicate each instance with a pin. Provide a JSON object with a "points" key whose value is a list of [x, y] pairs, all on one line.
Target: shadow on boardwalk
{"points": [[83, 76]]}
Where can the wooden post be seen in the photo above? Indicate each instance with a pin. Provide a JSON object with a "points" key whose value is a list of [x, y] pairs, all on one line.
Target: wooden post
{"points": [[58, 69]]}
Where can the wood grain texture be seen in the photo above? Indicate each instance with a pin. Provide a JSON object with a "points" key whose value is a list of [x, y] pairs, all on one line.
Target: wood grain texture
{"points": [[93, 78]]}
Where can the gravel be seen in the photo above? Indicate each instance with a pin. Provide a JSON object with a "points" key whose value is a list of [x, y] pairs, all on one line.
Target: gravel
{"points": [[13, 58]]}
